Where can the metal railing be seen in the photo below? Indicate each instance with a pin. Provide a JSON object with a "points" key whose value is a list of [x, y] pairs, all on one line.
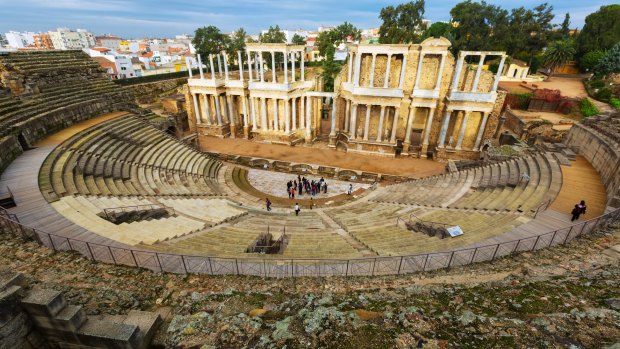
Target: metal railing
{"points": [[542, 207], [295, 267]]}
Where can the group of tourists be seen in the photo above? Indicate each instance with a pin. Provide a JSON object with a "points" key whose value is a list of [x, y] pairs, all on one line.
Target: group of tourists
{"points": [[301, 184]]}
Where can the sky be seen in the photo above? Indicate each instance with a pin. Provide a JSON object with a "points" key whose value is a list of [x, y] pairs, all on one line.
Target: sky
{"points": [[158, 18]]}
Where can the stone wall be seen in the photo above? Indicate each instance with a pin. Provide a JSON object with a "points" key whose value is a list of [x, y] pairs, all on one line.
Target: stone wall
{"points": [[150, 92], [10, 151], [602, 154]]}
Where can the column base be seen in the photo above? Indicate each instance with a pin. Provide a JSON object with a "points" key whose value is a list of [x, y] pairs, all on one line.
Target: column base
{"points": [[246, 132], [233, 131], [423, 151], [406, 148]]}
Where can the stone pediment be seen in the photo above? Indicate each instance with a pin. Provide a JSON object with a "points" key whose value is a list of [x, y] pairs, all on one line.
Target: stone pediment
{"points": [[436, 42]]}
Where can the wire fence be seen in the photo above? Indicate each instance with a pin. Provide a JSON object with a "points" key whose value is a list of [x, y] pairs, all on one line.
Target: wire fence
{"points": [[297, 267]]}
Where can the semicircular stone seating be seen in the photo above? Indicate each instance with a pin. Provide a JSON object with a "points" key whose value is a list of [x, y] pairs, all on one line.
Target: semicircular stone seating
{"points": [[125, 162]]}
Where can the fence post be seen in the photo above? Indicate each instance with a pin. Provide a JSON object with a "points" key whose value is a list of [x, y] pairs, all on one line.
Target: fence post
{"points": [[184, 265], [292, 271], [92, 256], [134, 258], [237, 265], [161, 269], [69, 243], [400, 264], [346, 272], [552, 238], [426, 261], [112, 255], [51, 242], [535, 243], [374, 262], [450, 261], [495, 252], [210, 266], [568, 234], [473, 256]]}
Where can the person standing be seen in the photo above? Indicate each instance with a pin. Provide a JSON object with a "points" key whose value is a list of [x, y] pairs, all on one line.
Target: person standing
{"points": [[268, 203], [293, 193], [325, 187], [297, 209], [350, 189]]}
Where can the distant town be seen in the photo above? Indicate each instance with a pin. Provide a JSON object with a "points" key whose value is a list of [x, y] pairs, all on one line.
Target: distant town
{"points": [[128, 58]]}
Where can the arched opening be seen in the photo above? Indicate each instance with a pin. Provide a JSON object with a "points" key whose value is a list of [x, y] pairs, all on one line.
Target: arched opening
{"points": [[23, 142], [171, 130]]}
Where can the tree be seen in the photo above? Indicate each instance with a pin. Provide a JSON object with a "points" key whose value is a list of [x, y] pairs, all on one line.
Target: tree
{"points": [[438, 29], [610, 63], [590, 60], [298, 40], [402, 24], [565, 26], [209, 40], [273, 35], [327, 42], [540, 30], [601, 30], [235, 44], [558, 53], [479, 26]]}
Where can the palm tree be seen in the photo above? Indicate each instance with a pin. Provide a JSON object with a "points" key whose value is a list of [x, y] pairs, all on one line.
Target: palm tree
{"points": [[557, 54]]}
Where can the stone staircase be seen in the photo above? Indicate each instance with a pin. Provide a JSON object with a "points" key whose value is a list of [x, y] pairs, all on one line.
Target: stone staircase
{"points": [[52, 322]]}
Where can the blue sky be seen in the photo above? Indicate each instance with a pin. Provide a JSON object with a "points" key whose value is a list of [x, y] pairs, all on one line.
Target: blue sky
{"points": [[156, 18]]}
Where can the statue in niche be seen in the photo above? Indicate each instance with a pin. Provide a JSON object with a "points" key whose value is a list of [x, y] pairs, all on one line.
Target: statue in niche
{"points": [[386, 133], [360, 132], [450, 141]]}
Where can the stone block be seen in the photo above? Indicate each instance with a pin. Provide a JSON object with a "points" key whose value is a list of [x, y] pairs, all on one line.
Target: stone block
{"points": [[44, 302], [109, 335], [9, 304], [147, 322], [12, 279]]}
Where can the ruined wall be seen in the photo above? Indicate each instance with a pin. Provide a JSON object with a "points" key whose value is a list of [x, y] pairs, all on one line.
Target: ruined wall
{"points": [[10, 151], [152, 91]]}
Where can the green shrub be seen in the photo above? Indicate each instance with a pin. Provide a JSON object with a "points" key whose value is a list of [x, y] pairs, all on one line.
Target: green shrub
{"points": [[615, 102], [588, 108], [597, 83], [603, 94]]}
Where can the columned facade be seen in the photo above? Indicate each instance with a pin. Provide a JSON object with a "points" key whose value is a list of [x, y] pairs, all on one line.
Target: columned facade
{"points": [[390, 100]]}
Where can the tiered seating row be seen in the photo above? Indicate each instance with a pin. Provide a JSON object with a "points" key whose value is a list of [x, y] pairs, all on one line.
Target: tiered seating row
{"points": [[85, 210], [126, 156], [498, 187]]}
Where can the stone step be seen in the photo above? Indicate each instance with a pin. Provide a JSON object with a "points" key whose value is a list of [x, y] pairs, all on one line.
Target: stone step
{"points": [[103, 334], [44, 302]]}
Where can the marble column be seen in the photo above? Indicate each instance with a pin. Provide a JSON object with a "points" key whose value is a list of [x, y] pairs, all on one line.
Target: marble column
{"points": [[332, 133], [394, 125], [499, 73], [483, 125], [240, 65], [225, 59], [205, 101], [196, 109], [474, 87], [410, 119], [231, 115], [440, 73], [219, 65], [253, 108], [358, 63], [302, 66], [287, 116], [444, 128], [249, 66], [427, 128], [285, 67], [262, 68], [418, 73], [372, 70], [459, 142], [386, 81], [218, 110], [401, 82], [308, 118], [457, 73], [380, 128], [347, 115], [245, 110], [353, 123], [302, 112], [263, 114], [273, 67], [212, 67], [189, 67], [202, 76], [293, 56], [350, 70], [367, 121], [294, 105], [276, 121]]}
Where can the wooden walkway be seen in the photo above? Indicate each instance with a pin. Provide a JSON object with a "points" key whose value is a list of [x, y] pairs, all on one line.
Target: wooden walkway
{"points": [[32, 208], [579, 182]]}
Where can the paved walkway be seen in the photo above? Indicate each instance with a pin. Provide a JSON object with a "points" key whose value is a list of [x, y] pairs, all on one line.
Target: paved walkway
{"points": [[327, 157], [274, 183]]}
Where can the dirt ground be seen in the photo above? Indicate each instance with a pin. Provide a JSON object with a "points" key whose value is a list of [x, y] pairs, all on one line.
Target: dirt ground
{"points": [[326, 157], [568, 86]]}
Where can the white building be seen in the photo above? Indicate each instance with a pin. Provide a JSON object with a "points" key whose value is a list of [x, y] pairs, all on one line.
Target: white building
{"points": [[65, 39], [20, 39]]}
